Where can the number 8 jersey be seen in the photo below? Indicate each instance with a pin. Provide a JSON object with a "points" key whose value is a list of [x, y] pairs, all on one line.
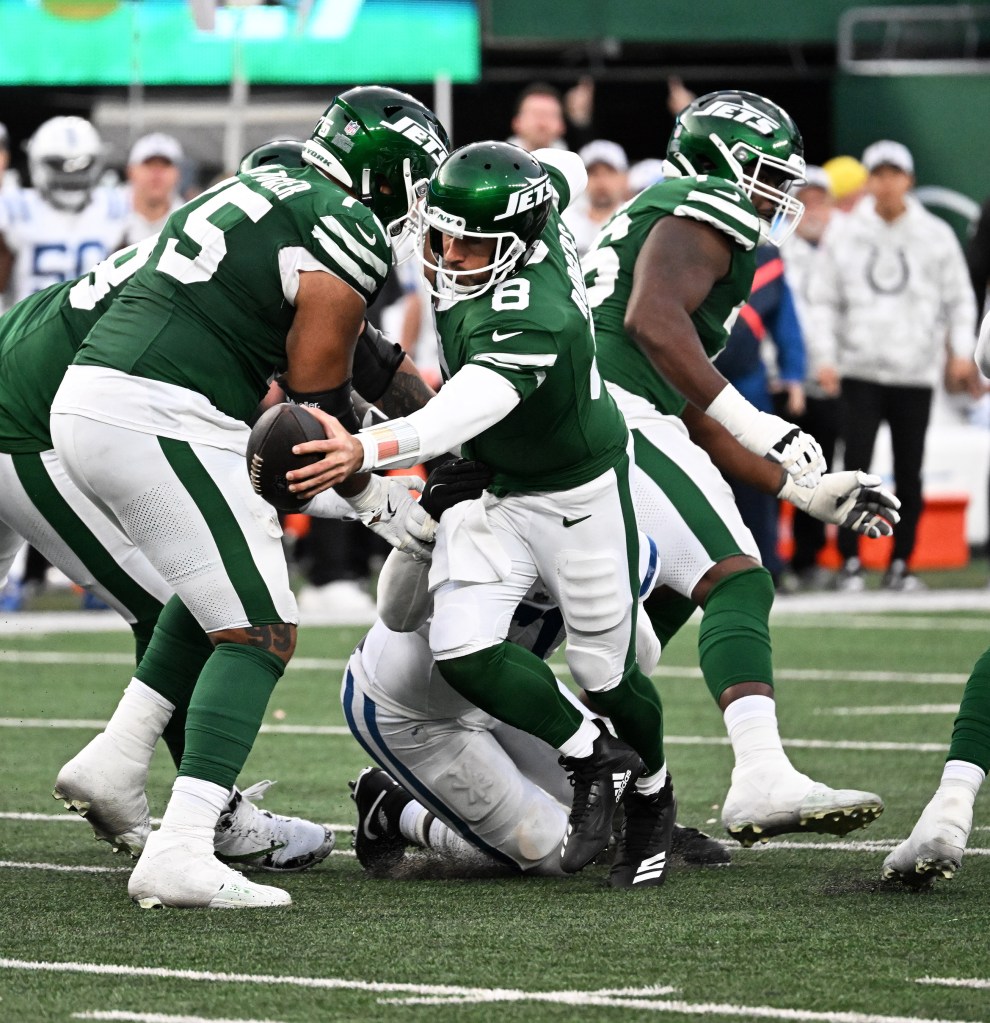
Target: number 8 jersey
{"points": [[211, 309]]}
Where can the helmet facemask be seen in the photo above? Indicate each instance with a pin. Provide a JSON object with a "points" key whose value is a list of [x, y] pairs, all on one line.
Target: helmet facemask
{"points": [[457, 285]]}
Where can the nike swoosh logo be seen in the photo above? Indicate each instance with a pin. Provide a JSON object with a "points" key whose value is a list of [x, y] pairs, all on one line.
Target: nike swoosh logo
{"points": [[573, 522], [734, 196], [245, 857], [496, 336], [369, 238], [370, 816]]}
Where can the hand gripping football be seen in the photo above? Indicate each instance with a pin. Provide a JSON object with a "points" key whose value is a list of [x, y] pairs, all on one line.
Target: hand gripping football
{"points": [[269, 452]]}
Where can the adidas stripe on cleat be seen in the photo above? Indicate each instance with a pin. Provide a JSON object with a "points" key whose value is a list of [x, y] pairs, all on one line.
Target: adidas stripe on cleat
{"points": [[642, 857]]}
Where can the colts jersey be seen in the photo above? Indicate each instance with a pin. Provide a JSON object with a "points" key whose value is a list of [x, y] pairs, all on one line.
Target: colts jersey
{"points": [[534, 329], [609, 270], [40, 336], [51, 245], [211, 309]]}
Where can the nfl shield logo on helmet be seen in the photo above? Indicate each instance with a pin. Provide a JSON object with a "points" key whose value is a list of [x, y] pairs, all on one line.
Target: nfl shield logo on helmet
{"points": [[351, 128]]}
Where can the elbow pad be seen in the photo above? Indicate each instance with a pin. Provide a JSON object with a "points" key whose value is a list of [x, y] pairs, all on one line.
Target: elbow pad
{"points": [[335, 402], [376, 360]]}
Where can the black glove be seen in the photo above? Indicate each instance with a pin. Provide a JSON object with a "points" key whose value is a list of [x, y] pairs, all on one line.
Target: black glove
{"points": [[452, 482]]}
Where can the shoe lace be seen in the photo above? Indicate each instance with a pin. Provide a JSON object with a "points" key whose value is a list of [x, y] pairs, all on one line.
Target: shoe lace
{"points": [[256, 792], [644, 818], [582, 775]]}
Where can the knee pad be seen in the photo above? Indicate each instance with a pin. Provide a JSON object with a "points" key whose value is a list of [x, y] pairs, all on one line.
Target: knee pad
{"points": [[734, 639], [595, 669], [459, 627]]}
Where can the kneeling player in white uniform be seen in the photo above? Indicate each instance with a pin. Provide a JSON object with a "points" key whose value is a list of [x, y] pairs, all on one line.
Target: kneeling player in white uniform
{"points": [[452, 778]]}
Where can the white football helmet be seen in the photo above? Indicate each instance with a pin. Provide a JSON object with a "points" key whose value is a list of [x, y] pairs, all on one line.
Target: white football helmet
{"points": [[65, 158]]}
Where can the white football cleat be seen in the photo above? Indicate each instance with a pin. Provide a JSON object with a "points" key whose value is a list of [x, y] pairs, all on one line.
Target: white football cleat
{"points": [[179, 871], [762, 804], [252, 837], [105, 786], [936, 845]]}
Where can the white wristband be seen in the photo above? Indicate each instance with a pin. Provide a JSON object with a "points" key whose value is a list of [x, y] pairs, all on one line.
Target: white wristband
{"points": [[390, 445], [757, 431]]}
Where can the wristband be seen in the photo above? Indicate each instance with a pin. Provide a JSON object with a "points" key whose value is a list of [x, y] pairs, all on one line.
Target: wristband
{"points": [[391, 445], [335, 402]]}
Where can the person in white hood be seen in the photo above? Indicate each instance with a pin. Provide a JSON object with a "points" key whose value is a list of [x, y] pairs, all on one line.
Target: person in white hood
{"points": [[889, 290]]}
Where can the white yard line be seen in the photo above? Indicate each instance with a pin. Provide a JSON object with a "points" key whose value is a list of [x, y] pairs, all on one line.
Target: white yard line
{"points": [[643, 999], [913, 708], [58, 818], [973, 982]]}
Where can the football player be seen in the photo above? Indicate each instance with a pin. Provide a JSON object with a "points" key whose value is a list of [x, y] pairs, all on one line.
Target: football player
{"points": [[937, 843], [666, 278], [523, 395], [470, 784], [40, 503], [66, 222], [267, 272]]}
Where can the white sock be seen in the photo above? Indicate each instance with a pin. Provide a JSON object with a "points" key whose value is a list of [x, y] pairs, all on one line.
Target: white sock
{"points": [[752, 726], [414, 822], [195, 807], [139, 720], [445, 840], [962, 774], [650, 784], [581, 743]]}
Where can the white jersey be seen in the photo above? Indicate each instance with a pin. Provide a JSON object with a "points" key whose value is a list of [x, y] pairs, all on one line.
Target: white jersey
{"points": [[52, 245]]}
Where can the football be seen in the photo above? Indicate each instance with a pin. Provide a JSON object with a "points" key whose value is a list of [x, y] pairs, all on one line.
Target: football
{"points": [[269, 452]]}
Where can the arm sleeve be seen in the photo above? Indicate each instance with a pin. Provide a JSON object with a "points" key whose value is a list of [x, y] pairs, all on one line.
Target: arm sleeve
{"points": [[469, 403], [567, 174]]}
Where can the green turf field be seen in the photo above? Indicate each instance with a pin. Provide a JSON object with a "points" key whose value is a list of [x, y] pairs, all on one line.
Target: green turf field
{"points": [[797, 930]]}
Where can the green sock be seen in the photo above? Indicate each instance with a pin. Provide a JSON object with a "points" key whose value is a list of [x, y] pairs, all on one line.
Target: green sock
{"points": [[143, 631], [515, 686], [636, 713], [226, 711], [734, 640], [971, 732], [171, 664], [667, 612]]}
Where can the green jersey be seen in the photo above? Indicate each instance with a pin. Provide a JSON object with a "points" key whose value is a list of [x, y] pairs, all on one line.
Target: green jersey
{"points": [[211, 309], [40, 336], [609, 270], [534, 329]]}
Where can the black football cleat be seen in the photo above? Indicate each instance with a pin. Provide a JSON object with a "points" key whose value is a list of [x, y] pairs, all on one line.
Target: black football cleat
{"points": [[643, 855], [600, 782], [697, 849], [378, 842]]}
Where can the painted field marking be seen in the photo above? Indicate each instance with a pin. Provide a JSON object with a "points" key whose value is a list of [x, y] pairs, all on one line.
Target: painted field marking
{"points": [[58, 818], [87, 723], [973, 982], [645, 999], [63, 868], [914, 708], [158, 1017]]}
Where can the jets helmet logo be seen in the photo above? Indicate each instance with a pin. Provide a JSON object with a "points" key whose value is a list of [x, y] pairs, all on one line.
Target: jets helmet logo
{"points": [[742, 112], [538, 193], [417, 133]]}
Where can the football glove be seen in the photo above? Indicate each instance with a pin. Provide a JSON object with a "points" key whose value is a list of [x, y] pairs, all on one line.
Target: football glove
{"points": [[801, 455], [851, 499], [452, 482], [388, 507]]}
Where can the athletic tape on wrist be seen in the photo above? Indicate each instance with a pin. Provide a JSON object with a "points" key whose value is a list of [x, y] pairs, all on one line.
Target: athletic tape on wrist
{"points": [[392, 445]]}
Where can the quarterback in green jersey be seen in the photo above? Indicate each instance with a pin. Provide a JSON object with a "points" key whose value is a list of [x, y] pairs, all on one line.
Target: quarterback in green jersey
{"points": [[267, 273], [523, 395], [666, 278]]}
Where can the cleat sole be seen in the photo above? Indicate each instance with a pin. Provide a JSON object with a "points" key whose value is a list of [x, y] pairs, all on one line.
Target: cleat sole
{"points": [[827, 822]]}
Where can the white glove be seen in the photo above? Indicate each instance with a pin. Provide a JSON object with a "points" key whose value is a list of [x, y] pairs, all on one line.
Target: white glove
{"points": [[388, 507], [768, 435], [852, 499]]}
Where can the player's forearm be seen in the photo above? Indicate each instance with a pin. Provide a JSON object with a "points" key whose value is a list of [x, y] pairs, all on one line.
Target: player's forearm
{"points": [[730, 457], [473, 400], [407, 392]]}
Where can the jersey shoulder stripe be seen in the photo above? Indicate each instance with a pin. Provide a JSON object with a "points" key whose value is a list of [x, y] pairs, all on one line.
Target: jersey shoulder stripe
{"points": [[724, 205], [356, 239]]}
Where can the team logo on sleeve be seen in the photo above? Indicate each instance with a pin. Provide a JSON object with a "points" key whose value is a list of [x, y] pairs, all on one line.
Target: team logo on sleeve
{"points": [[539, 192]]}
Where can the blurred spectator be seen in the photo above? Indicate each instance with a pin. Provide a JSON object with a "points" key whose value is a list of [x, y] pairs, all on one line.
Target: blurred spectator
{"points": [[848, 179], [9, 179], [821, 413], [890, 284], [154, 168], [678, 95], [643, 174], [539, 120], [606, 165], [768, 317]]}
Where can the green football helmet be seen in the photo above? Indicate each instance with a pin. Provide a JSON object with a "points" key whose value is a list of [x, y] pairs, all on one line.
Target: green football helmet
{"points": [[278, 152], [484, 190], [379, 143], [747, 139]]}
